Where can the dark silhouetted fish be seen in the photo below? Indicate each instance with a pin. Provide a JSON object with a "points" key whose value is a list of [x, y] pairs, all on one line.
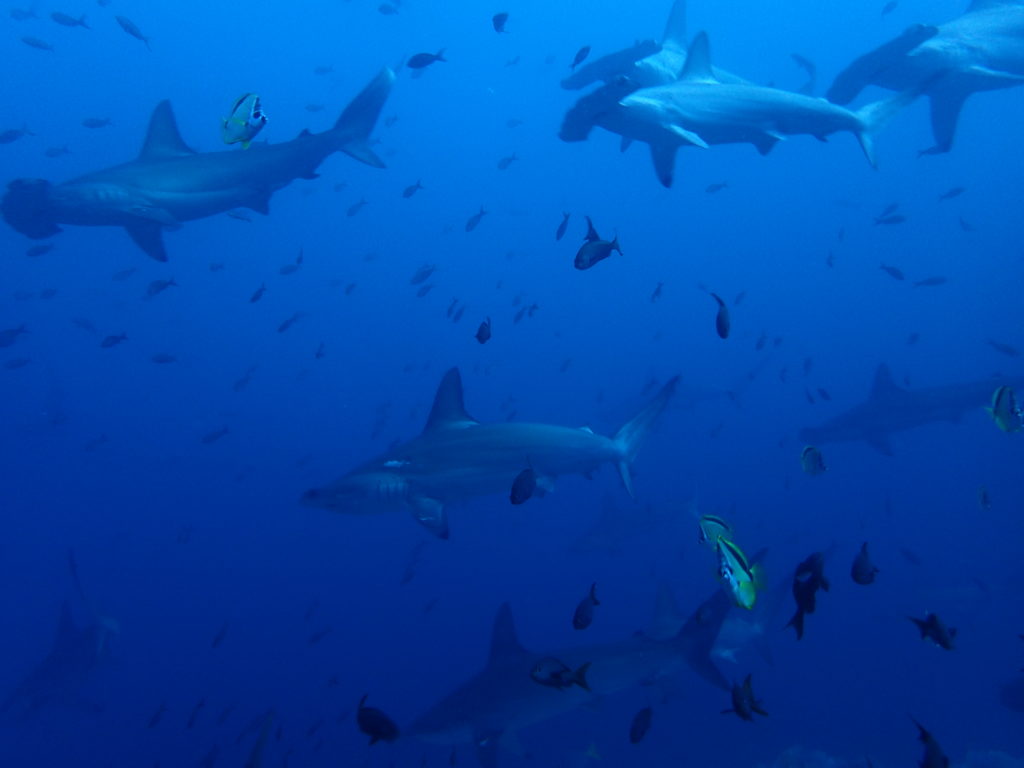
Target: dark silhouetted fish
{"points": [[412, 189], [523, 486], [744, 703], [562, 226], [375, 724], [212, 437], [932, 628], [483, 333], [110, 341], [258, 293], [949, 194], [640, 725], [583, 616], [863, 570], [132, 29], [580, 57], [722, 323], [930, 282], [474, 220], [423, 60], [553, 673], [807, 580], [498, 21], [894, 272]]}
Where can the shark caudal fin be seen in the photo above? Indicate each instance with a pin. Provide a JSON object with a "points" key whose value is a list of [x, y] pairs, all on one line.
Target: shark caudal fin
{"points": [[875, 116], [633, 433], [356, 122], [698, 636]]}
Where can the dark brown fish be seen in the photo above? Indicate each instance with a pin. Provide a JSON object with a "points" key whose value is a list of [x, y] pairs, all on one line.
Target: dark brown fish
{"points": [[722, 323], [375, 724], [583, 616], [412, 189], [483, 333], [423, 60], [130, 28], [580, 56], [893, 272], [474, 220], [562, 226], [640, 725]]}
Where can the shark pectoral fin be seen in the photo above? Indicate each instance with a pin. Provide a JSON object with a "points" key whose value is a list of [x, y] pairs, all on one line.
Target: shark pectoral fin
{"points": [[260, 202], [154, 213], [664, 158], [687, 136], [149, 237], [988, 73], [766, 142], [945, 112], [361, 151], [431, 515], [627, 480], [625, 143], [880, 443]]}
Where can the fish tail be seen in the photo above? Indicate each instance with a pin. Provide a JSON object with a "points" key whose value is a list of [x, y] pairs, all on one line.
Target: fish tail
{"points": [[633, 433], [358, 119], [580, 677], [797, 623], [873, 117]]}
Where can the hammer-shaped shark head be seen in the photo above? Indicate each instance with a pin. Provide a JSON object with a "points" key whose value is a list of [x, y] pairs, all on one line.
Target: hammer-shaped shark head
{"points": [[359, 492], [28, 208]]}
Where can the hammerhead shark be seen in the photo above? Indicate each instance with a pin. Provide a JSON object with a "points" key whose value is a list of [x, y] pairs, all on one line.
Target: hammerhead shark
{"points": [[169, 183], [491, 707], [456, 457], [891, 408], [982, 50], [57, 679]]}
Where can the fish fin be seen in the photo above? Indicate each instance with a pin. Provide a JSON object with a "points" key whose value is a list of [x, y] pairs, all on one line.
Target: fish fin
{"points": [[625, 143], [698, 635], [163, 141], [766, 143], [864, 70], [883, 387], [674, 36], [149, 237], [667, 619], [945, 112], [627, 479], [580, 676], [797, 623], [430, 513], [756, 707], [260, 203], [448, 411], [153, 213], [504, 640], [356, 122], [698, 61], [875, 116], [632, 434], [664, 157]]}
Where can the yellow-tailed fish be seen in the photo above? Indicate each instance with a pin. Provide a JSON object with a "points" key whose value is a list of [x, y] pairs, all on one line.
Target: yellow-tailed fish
{"points": [[711, 528], [739, 578], [247, 119], [1004, 410], [812, 461]]}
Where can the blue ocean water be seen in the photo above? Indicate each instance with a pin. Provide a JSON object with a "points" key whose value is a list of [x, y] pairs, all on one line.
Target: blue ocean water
{"points": [[231, 599]]}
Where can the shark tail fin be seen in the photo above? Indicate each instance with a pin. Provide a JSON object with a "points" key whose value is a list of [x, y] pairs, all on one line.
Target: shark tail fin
{"points": [[356, 122], [633, 433], [875, 116]]}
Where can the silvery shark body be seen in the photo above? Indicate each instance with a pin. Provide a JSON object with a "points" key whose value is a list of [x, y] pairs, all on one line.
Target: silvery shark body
{"points": [[457, 457], [59, 678], [169, 183], [699, 110], [890, 408], [982, 50], [490, 708]]}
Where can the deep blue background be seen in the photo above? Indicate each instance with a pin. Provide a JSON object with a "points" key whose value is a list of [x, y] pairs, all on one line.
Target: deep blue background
{"points": [[257, 560]]}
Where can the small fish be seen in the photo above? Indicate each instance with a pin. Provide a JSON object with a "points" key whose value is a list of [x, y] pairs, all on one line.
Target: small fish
{"points": [[1004, 410], [375, 724], [949, 194], [811, 461], [195, 712], [130, 28], [35, 42], [966, 226], [640, 726], [1004, 349], [523, 486], [808, 578], [744, 704], [423, 60], [245, 120], [356, 207], [715, 188], [474, 220], [293, 267], [505, 162], [243, 381], [289, 322], [154, 720], [830, 260], [162, 358], [387, 9], [896, 218], [412, 189], [583, 616], [553, 673], [580, 57], [932, 628], [889, 7], [498, 21], [16, 363], [934, 757], [929, 282], [66, 20], [740, 580], [35, 251], [722, 323], [113, 340], [594, 249], [157, 287], [710, 528], [483, 333], [258, 293], [422, 274], [562, 226], [95, 443], [11, 135], [53, 152], [21, 14], [890, 209], [894, 272], [424, 290], [96, 122], [212, 437], [824, 395], [984, 500], [863, 570]]}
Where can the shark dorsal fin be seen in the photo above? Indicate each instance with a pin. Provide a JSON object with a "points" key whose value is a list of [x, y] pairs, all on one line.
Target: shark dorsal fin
{"points": [[668, 619], [163, 141], [675, 27], [698, 61], [66, 629], [884, 388], [504, 642], [448, 411]]}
